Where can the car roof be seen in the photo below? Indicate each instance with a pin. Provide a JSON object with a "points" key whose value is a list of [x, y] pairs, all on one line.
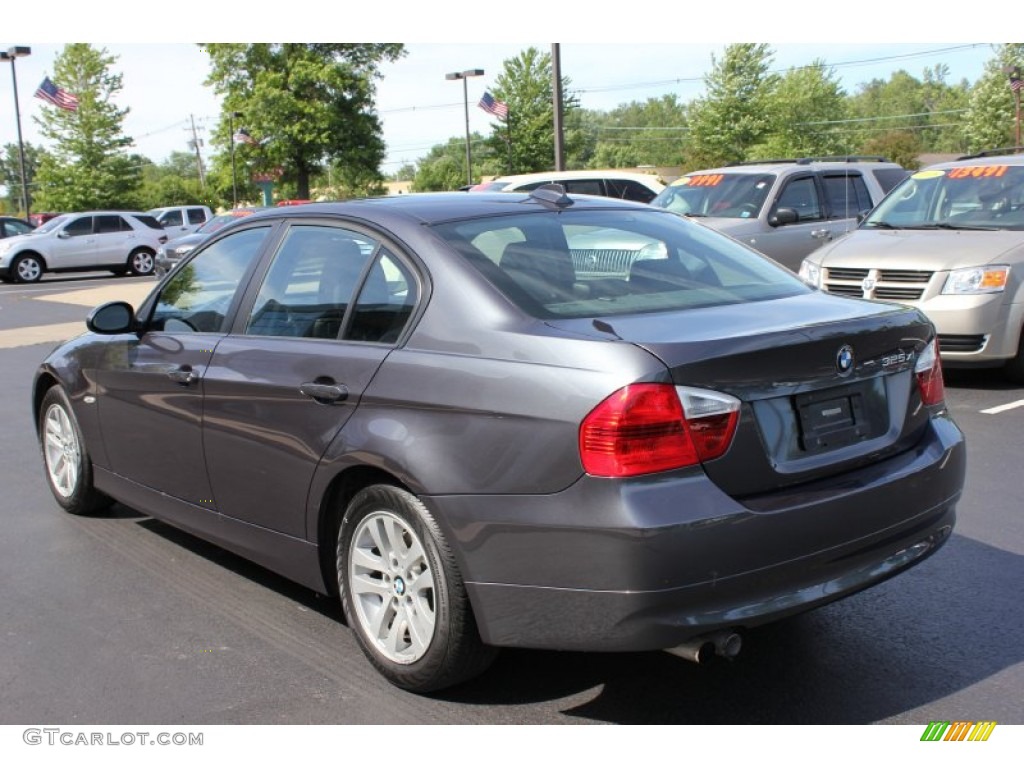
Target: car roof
{"points": [[436, 207], [774, 166], [1002, 156], [572, 175]]}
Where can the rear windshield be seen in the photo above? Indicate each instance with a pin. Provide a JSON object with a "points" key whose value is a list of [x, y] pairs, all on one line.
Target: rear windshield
{"points": [[721, 195], [607, 263], [986, 195]]}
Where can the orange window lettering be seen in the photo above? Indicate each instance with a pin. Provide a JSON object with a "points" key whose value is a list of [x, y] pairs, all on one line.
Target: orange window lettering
{"points": [[977, 171]]}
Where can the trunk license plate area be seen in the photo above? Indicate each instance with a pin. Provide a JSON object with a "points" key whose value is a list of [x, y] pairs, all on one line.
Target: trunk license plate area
{"points": [[834, 418]]}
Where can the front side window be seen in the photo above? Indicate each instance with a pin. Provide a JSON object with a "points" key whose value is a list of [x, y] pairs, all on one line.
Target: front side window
{"points": [[171, 219], [196, 216], [801, 195], [79, 227], [627, 189], [582, 186], [608, 263], [197, 298]]}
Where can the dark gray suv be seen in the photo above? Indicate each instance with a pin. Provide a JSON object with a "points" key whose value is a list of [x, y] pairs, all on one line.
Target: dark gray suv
{"points": [[479, 428]]}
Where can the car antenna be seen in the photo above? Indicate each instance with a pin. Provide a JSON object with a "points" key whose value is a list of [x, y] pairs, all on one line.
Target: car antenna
{"points": [[552, 196]]}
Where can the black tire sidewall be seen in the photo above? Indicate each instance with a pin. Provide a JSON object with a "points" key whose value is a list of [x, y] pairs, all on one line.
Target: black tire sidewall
{"points": [[84, 499], [422, 674]]}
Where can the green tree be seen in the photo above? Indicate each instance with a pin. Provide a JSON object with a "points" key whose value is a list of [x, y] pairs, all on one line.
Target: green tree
{"points": [[444, 167], [989, 121], [805, 109], [307, 104], [86, 165], [10, 174], [526, 140], [174, 182], [641, 133], [735, 113]]}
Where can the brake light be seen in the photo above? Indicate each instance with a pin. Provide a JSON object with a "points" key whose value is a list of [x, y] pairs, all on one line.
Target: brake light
{"points": [[928, 371], [644, 428]]}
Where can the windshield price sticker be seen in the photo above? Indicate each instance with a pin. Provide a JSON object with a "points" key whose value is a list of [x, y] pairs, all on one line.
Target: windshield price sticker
{"points": [[977, 171], [707, 180]]}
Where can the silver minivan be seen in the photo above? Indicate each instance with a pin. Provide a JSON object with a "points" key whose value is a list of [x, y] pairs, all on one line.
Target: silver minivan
{"points": [[784, 208], [950, 241]]}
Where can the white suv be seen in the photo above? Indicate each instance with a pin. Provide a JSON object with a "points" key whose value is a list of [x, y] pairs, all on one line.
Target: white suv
{"points": [[119, 241], [181, 220], [641, 187]]}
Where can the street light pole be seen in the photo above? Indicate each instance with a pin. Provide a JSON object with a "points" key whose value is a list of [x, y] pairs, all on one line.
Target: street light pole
{"points": [[465, 100], [12, 53], [234, 173]]}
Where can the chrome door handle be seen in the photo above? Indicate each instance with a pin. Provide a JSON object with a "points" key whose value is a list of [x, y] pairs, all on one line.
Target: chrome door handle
{"points": [[184, 375], [323, 392], [819, 234]]}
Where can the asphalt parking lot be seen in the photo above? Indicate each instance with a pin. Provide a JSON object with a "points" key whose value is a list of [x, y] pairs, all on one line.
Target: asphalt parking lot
{"points": [[123, 619]]}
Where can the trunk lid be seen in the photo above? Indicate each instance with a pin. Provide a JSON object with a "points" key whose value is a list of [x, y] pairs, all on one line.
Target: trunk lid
{"points": [[827, 383]]}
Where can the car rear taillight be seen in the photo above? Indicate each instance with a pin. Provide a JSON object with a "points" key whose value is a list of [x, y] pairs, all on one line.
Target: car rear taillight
{"points": [[645, 428], [928, 371]]}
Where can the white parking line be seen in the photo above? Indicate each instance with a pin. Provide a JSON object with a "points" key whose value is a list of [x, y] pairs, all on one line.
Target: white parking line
{"points": [[1007, 407]]}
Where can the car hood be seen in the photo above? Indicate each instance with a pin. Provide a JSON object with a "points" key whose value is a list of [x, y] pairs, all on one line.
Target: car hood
{"points": [[931, 250], [192, 239]]}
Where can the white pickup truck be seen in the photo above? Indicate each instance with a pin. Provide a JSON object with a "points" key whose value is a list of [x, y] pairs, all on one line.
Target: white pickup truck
{"points": [[181, 220]]}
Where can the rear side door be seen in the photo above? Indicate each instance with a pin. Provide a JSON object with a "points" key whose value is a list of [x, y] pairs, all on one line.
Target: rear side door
{"points": [[279, 388], [114, 239]]}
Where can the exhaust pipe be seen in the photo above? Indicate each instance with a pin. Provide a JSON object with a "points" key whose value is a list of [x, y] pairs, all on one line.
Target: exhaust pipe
{"points": [[701, 648]]}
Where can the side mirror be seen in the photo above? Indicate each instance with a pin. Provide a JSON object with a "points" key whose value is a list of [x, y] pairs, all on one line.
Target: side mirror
{"points": [[111, 318], [783, 216], [63, 234]]}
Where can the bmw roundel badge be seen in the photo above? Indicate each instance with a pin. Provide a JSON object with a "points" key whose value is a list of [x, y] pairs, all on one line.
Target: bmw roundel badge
{"points": [[844, 360]]}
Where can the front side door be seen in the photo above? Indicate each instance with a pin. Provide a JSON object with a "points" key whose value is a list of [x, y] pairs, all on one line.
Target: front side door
{"points": [[789, 243], [282, 385], [151, 386], [75, 245]]}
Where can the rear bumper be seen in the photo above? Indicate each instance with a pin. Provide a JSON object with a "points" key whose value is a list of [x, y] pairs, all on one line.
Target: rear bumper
{"points": [[611, 565]]}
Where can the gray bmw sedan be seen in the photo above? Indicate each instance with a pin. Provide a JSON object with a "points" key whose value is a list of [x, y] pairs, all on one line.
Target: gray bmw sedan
{"points": [[492, 420]]}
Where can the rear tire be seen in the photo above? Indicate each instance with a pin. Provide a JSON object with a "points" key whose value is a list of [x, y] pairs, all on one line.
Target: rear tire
{"points": [[403, 595], [65, 457]]}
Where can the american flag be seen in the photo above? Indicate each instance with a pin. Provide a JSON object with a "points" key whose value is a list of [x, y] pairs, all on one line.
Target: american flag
{"points": [[1016, 83], [47, 91], [491, 105]]}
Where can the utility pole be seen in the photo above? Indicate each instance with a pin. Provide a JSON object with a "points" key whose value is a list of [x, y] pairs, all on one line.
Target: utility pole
{"points": [[195, 142], [556, 97]]}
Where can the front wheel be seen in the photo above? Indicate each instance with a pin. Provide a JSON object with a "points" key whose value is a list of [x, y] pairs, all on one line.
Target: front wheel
{"points": [[68, 466], [403, 595], [1014, 368], [141, 262], [28, 269]]}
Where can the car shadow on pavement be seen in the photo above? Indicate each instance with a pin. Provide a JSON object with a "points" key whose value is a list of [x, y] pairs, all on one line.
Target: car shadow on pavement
{"points": [[924, 636]]}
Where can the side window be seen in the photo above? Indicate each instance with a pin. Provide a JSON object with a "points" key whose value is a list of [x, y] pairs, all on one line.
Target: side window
{"points": [[847, 195], [310, 283], [197, 298], [107, 224], [171, 219], [196, 216], [385, 302], [802, 196], [583, 186], [627, 189], [79, 227]]}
